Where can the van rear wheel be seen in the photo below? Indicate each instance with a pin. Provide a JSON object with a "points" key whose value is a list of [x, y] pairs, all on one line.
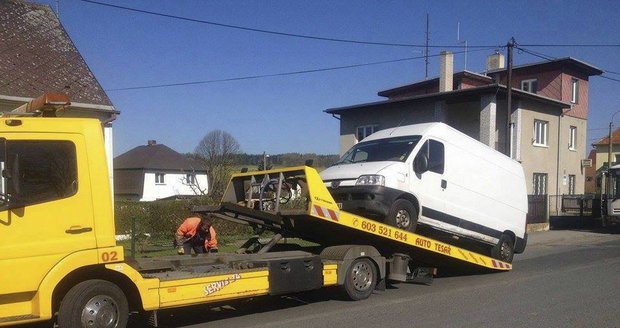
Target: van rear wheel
{"points": [[403, 215], [505, 249]]}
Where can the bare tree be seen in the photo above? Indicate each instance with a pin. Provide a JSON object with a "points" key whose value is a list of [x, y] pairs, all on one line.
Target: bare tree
{"points": [[217, 151]]}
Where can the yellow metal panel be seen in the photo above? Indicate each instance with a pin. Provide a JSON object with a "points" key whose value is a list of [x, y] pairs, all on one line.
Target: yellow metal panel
{"points": [[330, 274], [214, 288], [147, 287]]}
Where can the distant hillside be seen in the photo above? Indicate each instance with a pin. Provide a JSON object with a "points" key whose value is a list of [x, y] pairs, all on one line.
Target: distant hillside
{"points": [[278, 160], [287, 159]]}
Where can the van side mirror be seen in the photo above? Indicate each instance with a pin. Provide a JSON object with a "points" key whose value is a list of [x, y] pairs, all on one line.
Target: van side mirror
{"points": [[420, 164]]}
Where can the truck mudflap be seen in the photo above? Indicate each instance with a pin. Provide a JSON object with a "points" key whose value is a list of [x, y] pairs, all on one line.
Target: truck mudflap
{"points": [[294, 202]]}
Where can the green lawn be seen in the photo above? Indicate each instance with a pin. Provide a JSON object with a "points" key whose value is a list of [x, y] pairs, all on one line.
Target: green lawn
{"points": [[227, 244]]}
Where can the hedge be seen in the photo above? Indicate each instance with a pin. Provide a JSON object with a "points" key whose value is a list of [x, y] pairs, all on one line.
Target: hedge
{"points": [[162, 218]]}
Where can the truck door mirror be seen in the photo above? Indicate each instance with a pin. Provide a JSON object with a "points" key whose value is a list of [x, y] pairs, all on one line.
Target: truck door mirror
{"points": [[420, 164]]}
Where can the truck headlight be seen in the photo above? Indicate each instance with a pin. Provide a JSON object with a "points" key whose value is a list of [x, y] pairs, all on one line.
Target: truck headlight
{"points": [[370, 180]]}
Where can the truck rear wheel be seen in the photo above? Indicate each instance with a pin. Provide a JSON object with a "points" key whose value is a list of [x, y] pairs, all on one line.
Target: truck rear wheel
{"points": [[94, 303], [403, 215], [505, 249], [360, 279]]}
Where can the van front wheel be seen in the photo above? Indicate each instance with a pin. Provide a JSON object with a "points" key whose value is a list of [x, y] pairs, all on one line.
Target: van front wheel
{"points": [[403, 215], [505, 249]]}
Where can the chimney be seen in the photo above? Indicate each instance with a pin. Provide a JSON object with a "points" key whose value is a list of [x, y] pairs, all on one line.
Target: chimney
{"points": [[446, 71], [495, 61], [151, 142]]}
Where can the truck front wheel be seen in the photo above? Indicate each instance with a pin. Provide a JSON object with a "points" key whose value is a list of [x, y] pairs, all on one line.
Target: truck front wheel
{"points": [[403, 215], [94, 303]]}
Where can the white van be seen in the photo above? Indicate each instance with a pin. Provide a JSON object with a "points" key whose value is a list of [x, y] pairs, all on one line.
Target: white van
{"points": [[431, 174]]}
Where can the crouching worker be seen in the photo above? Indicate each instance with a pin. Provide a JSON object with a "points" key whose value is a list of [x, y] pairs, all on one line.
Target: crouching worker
{"points": [[196, 233]]}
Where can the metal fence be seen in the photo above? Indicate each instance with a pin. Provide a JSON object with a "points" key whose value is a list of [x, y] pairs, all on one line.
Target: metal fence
{"points": [[573, 205], [537, 209]]}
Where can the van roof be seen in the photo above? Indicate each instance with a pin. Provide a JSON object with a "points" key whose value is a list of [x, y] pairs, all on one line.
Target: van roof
{"points": [[459, 139], [408, 130]]}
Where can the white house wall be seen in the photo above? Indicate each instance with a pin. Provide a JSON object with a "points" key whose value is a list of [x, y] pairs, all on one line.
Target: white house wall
{"points": [[174, 185]]}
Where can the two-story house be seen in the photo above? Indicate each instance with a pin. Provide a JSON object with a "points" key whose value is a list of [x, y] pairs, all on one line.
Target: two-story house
{"points": [[154, 171], [548, 118]]}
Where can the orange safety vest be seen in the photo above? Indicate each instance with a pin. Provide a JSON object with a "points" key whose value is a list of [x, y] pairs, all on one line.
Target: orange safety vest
{"points": [[188, 230]]}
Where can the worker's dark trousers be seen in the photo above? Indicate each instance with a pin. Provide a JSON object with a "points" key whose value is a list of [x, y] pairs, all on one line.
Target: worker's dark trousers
{"points": [[197, 244]]}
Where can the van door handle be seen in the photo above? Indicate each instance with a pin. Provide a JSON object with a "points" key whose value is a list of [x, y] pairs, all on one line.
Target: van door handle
{"points": [[444, 184], [78, 229]]}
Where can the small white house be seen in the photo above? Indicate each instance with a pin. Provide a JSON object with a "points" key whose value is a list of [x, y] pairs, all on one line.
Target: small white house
{"points": [[153, 172]]}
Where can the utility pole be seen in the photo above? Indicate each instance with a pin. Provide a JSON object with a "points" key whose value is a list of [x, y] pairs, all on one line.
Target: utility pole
{"points": [[426, 48], [509, 46], [265, 156]]}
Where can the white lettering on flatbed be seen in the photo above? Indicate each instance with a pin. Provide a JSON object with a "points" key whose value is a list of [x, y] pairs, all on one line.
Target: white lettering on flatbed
{"points": [[219, 285]]}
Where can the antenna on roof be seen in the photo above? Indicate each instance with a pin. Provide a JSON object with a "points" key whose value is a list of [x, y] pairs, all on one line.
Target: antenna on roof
{"points": [[458, 40], [58, 9], [426, 48], [399, 124]]}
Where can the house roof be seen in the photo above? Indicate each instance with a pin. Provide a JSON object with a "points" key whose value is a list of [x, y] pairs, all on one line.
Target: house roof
{"points": [[615, 138], [455, 95], [155, 157], [38, 56], [566, 61], [433, 81]]}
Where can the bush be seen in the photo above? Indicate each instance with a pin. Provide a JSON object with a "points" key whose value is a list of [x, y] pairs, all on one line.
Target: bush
{"points": [[161, 219]]}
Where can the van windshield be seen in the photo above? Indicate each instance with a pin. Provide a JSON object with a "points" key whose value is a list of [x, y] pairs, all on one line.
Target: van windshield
{"points": [[395, 149]]}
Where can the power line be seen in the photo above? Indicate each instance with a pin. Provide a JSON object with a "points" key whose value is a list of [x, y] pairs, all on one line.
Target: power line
{"points": [[575, 45], [303, 36], [253, 77], [609, 78]]}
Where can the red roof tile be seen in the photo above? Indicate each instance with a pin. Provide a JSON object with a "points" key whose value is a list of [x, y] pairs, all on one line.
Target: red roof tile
{"points": [[37, 56], [615, 138]]}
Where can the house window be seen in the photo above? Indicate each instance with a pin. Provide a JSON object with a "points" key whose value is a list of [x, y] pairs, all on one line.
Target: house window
{"points": [[572, 135], [365, 130], [540, 132], [190, 178], [571, 184], [574, 97], [529, 85], [540, 183], [159, 178]]}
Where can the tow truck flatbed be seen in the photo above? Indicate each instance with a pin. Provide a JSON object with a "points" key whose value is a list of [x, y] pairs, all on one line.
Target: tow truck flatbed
{"points": [[317, 218]]}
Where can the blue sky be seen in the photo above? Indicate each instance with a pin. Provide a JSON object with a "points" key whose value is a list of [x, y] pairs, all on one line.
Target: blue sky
{"points": [[285, 113]]}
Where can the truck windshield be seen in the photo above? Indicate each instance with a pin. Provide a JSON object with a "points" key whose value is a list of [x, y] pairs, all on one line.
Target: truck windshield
{"points": [[390, 149]]}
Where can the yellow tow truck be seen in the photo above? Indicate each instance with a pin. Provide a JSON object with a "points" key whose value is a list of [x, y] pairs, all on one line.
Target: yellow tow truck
{"points": [[59, 258]]}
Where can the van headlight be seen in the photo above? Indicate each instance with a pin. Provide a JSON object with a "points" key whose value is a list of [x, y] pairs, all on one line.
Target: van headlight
{"points": [[370, 180]]}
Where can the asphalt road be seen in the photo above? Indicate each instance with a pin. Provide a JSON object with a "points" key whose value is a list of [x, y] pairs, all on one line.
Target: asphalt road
{"points": [[564, 279]]}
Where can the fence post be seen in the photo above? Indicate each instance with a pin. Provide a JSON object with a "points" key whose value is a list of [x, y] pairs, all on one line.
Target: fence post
{"points": [[133, 236]]}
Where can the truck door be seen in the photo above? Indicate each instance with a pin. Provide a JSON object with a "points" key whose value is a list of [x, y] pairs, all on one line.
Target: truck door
{"points": [[45, 207], [430, 185]]}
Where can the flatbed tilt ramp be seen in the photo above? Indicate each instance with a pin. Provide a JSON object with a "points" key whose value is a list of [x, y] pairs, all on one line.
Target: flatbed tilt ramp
{"points": [[294, 202]]}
